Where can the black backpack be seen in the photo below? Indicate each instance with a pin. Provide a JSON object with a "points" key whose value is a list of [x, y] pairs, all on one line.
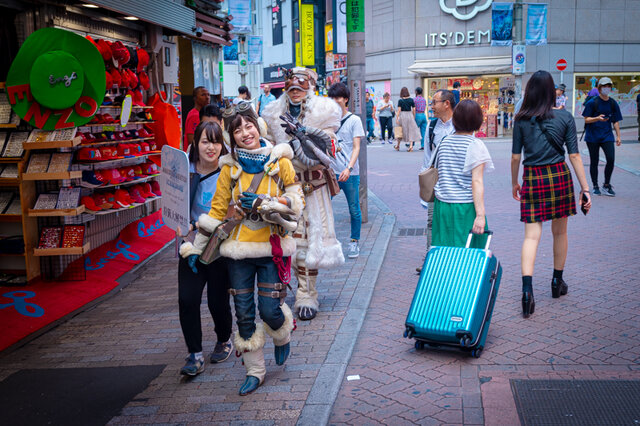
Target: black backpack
{"points": [[432, 127]]}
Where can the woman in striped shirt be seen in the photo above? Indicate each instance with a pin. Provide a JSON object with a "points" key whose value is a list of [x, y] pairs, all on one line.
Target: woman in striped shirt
{"points": [[461, 160]]}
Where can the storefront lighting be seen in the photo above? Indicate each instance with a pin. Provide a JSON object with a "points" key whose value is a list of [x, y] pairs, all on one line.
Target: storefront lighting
{"points": [[90, 6], [130, 18]]}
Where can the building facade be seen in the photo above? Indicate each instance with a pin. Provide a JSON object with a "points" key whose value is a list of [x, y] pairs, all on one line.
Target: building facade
{"points": [[433, 43]]}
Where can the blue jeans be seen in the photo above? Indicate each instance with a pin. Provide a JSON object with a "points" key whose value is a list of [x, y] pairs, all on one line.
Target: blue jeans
{"points": [[371, 125], [421, 121], [351, 189], [242, 275]]}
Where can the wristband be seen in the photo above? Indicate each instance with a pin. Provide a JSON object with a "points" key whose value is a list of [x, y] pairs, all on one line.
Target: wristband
{"points": [[350, 169]]}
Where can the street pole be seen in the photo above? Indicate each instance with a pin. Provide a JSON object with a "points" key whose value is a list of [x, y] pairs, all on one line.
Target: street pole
{"points": [[518, 40], [356, 78], [241, 55]]}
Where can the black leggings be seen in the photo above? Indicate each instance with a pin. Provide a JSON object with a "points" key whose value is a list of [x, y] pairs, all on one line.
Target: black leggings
{"points": [[386, 123], [594, 155], [190, 287]]}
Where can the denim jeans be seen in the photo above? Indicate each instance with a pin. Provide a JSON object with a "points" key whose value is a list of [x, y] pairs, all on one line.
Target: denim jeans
{"points": [[351, 189], [371, 125], [421, 121], [242, 274]]}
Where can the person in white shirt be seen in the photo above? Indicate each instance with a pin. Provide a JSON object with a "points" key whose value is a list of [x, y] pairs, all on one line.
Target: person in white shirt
{"points": [[345, 165], [442, 103], [386, 111]]}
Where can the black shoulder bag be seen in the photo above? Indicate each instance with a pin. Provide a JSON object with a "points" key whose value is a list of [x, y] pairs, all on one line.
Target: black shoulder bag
{"points": [[550, 139]]}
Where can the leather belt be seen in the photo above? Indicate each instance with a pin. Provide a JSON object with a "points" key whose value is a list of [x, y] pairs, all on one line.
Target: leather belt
{"points": [[309, 175], [233, 291], [308, 272]]}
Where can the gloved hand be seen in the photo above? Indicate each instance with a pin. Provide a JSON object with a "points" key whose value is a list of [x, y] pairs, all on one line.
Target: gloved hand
{"points": [[247, 200], [191, 260]]}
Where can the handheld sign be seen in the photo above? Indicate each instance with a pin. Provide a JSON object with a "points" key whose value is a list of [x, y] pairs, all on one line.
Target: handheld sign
{"points": [[174, 182]]}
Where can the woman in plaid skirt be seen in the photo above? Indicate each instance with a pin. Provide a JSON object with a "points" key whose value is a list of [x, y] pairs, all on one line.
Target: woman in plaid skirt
{"points": [[547, 188]]}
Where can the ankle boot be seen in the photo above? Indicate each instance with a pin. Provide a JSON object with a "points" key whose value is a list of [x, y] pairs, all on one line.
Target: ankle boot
{"points": [[282, 336], [528, 304], [558, 287], [253, 358]]}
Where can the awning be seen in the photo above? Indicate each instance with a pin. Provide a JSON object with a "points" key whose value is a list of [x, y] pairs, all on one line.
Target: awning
{"points": [[273, 85], [462, 66], [164, 13]]}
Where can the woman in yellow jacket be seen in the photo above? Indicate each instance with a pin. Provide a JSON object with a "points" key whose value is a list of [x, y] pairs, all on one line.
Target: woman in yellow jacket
{"points": [[259, 246]]}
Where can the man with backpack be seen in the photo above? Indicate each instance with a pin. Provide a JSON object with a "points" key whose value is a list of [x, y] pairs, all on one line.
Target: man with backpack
{"points": [[442, 103], [599, 114]]}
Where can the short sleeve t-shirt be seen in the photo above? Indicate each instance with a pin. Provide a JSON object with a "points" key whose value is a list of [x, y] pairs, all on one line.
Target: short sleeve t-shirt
{"points": [[387, 112], [601, 131], [204, 193], [406, 104], [193, 119], [352, 128]]}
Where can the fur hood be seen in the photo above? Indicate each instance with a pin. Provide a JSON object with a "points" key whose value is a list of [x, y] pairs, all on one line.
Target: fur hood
{"points": [[320, 113], [274, 152]]}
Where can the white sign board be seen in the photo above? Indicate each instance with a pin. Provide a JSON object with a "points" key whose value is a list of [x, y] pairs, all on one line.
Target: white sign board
{"points": [[519, 59], [174, 183]]}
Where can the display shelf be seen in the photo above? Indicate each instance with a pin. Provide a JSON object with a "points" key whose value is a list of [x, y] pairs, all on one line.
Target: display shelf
{"points": [[8, 126], [10, 217], [52, 144], [9, 181], [116, 142], [11, 255], [114, 163], [56, 212], [115, 124], [133, 182], [74, 174], [120, 106], [10, 160], [62, 251], [121, 209]]}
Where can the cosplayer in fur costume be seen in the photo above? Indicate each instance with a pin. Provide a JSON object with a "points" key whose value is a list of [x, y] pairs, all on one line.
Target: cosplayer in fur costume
{"points": [[258, 246], [317, 246]]}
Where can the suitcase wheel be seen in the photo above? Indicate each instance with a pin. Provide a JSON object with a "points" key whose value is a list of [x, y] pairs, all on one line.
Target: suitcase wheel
{"points": [[476, 352], [465, 341], [408, 333], [419, 345]]}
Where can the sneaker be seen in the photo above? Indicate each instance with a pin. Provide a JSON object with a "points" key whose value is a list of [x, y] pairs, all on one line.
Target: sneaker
{"points": [[221, 352], [193, 367], [608, 190], [354, 250], [596, 190]]}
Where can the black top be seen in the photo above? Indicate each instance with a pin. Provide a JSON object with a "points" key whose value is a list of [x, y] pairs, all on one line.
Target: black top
{"points": [[537, 150], [406, 104]]}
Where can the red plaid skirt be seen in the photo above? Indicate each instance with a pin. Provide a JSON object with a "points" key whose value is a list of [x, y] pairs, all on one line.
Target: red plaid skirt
{"points": [[547, 193]]}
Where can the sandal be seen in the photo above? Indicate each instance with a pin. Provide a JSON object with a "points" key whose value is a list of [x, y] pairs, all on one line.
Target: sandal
{"points": [[396, 148]]}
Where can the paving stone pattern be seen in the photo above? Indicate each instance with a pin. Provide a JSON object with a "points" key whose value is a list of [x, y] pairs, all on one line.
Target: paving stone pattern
{"points": [[140, 326], [592, 333]]}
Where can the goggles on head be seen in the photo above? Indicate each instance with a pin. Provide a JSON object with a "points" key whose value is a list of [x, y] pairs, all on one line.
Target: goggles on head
{"points": [[298, 78], [242, 108]]}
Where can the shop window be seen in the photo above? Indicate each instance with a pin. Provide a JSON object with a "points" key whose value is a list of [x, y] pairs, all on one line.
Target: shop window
{"points": [[626, 87]]}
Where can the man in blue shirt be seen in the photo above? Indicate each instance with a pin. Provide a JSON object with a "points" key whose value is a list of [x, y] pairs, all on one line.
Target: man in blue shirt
{"points": [[456, 92], [265, 98], [599, 113]]}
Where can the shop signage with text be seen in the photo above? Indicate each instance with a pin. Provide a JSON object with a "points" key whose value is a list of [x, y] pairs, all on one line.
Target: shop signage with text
{"points": [[306, 35], [457, 38]]}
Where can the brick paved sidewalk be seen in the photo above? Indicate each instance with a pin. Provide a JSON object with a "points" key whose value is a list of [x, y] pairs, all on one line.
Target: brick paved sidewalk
{"points": [[593, 332], [140, 326]]}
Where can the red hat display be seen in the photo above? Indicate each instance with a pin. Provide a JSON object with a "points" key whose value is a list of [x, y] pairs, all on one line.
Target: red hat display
{"points": [[113, 176], [111, 198], [101, 201], [90, 204], [143, 59], [155, 187], [144, 80], [119, 53], [116, 77], [146, 189], [137, 98], [123, 198], [127, 173], [133, 79], [89, 154], [135, 195], [105, 49], [145, 148], [109, 80], [88, 37], [150, 168], [124, 150], [137, 170], [108, 152], [124, 77]]}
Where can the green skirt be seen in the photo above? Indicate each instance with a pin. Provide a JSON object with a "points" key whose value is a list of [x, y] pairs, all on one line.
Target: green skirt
{"points": [[452, 223]]}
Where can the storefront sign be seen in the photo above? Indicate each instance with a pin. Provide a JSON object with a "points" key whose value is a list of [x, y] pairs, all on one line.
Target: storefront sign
{"points": [[276, 22], [273, 74], [355, 15], [174, 182], [356, 96], [328, 37], [464, 9], [340, 26], [519, 59], [457, 38], [307, 43]]}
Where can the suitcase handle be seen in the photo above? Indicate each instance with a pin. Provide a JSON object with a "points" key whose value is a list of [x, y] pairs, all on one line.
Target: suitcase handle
{"points": [[471, 234]]}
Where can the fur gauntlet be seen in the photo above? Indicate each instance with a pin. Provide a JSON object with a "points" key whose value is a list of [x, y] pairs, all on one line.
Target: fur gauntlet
{"points": [[207, 224]]}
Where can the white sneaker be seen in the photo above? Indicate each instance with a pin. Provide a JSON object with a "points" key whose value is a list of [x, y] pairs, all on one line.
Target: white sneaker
{"points": [[354, 250]]}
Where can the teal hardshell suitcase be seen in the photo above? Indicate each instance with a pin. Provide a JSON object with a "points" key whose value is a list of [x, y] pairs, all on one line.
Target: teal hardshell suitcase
{"points": [[454, 298]]}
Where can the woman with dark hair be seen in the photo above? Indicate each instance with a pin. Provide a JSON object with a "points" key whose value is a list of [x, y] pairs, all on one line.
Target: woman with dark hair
{"points": [[461, 159], [257, 193], [205, 151], [407, 119], [547, 187]]}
